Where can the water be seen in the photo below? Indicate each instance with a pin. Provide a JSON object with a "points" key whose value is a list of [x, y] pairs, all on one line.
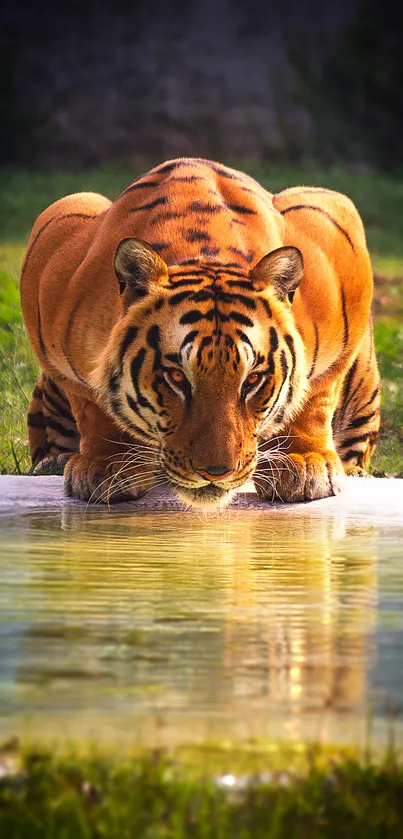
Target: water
{"points": [[169, 626]]}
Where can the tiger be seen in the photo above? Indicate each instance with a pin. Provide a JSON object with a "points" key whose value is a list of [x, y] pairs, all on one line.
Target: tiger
{"points": [[202, 332]]}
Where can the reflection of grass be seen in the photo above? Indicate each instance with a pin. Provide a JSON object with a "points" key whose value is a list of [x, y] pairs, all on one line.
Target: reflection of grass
{"points": [[24, 195], [46, 797]]}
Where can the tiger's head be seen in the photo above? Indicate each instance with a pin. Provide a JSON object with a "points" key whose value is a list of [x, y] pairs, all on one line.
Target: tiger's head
{"points": [[204, 363]]}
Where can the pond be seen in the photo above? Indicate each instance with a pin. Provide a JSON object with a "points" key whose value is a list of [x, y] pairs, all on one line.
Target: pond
{"points": [[156, 625]]}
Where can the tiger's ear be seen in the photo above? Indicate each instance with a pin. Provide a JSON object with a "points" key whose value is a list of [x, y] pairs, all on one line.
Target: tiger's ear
{"points": [[281, 269], [138, 267]]}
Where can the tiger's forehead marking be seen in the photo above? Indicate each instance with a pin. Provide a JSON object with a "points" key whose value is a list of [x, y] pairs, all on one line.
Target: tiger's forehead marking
{"points": [[217, 322]]}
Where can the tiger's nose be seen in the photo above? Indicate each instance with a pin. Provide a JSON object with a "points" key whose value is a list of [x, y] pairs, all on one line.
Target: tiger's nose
{"points": [[214, 473]]}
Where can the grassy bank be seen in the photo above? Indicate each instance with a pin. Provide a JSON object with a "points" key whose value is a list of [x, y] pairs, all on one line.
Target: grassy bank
{"points": [[25, 194], [50, 797]]}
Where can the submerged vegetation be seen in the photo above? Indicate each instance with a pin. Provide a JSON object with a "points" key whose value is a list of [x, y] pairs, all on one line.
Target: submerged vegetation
{"points": [[25, 194], [45, 796]]}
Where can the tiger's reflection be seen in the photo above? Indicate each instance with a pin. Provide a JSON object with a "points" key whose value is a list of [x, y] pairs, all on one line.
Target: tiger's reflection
{"points": [[226, 614]]}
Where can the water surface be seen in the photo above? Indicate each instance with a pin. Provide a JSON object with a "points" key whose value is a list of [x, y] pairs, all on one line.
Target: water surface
{"points": [[171, 626]]}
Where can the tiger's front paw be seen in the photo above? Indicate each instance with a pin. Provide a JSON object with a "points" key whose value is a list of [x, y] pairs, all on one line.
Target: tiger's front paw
{"points": [[52, 464], [300, 477], [99, 479]]}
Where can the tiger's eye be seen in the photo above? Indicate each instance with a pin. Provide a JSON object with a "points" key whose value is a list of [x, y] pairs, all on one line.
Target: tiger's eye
{"points": [[252, 379], [177, 375]]}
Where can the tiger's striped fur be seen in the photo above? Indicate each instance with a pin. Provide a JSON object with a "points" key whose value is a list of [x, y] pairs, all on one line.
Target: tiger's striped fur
{"points": [[226, 353]]}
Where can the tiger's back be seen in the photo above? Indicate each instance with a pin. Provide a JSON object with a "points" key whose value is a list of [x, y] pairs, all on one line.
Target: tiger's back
{"points": [[200, 213]]}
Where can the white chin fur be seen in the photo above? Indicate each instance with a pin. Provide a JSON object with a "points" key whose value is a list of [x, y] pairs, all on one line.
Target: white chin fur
{"points": [[207, 504]]}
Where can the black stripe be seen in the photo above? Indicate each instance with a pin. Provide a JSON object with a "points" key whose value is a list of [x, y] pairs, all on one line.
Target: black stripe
{"points": [[175, 471], [245, 338], [350, 454], [135, 368], [280, 414], [179, 297], [273, 339], [239, 208], [65, 449], [62, 410], [153, 337], [57, 390], [273, 405], [185, 179], [192, 235], [268, 398], [266, 306], [136, 365], [352, 441], [139, 184], [220, 170], [172, 356], [290, 344], [211, 268], [151, 204], [37, 420], [362, 419], [167, 216], [284, 365], [188, 339], [349, 379], [227, 268], [191, 317], [240, 283], [162, 428], [375, 393], [315, 352], [189, 281], [202, 296], [270, 363], [160, 246], [130, 336], [345, 319], [207, 250], [37, 393], [248, 257], [133, 406], [238, 318], [169, 167], [226, 297], [40, 336], [115, 407], [202, 207], [59, 428], [324, 213], [206, 341], [356, 389], [153, 340]]}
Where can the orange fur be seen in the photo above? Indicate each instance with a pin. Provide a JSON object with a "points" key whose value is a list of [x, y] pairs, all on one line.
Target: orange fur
{"points": [[196, 216]]}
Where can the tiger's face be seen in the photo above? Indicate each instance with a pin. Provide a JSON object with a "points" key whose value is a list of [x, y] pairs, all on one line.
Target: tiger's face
{"points": [[205, 362]]}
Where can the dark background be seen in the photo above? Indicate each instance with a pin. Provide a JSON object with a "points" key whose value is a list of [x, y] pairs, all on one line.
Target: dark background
{"points": [[280, 81]]}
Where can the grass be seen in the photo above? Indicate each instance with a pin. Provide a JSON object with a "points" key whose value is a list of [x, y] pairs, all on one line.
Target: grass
{"points": [[45, 796], [24, 194]]}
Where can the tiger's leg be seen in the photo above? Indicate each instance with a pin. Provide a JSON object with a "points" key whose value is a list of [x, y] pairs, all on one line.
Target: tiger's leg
{"points": [[357, 418], [111, 465], [334, 434], [52, 430], [307, 466]]}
